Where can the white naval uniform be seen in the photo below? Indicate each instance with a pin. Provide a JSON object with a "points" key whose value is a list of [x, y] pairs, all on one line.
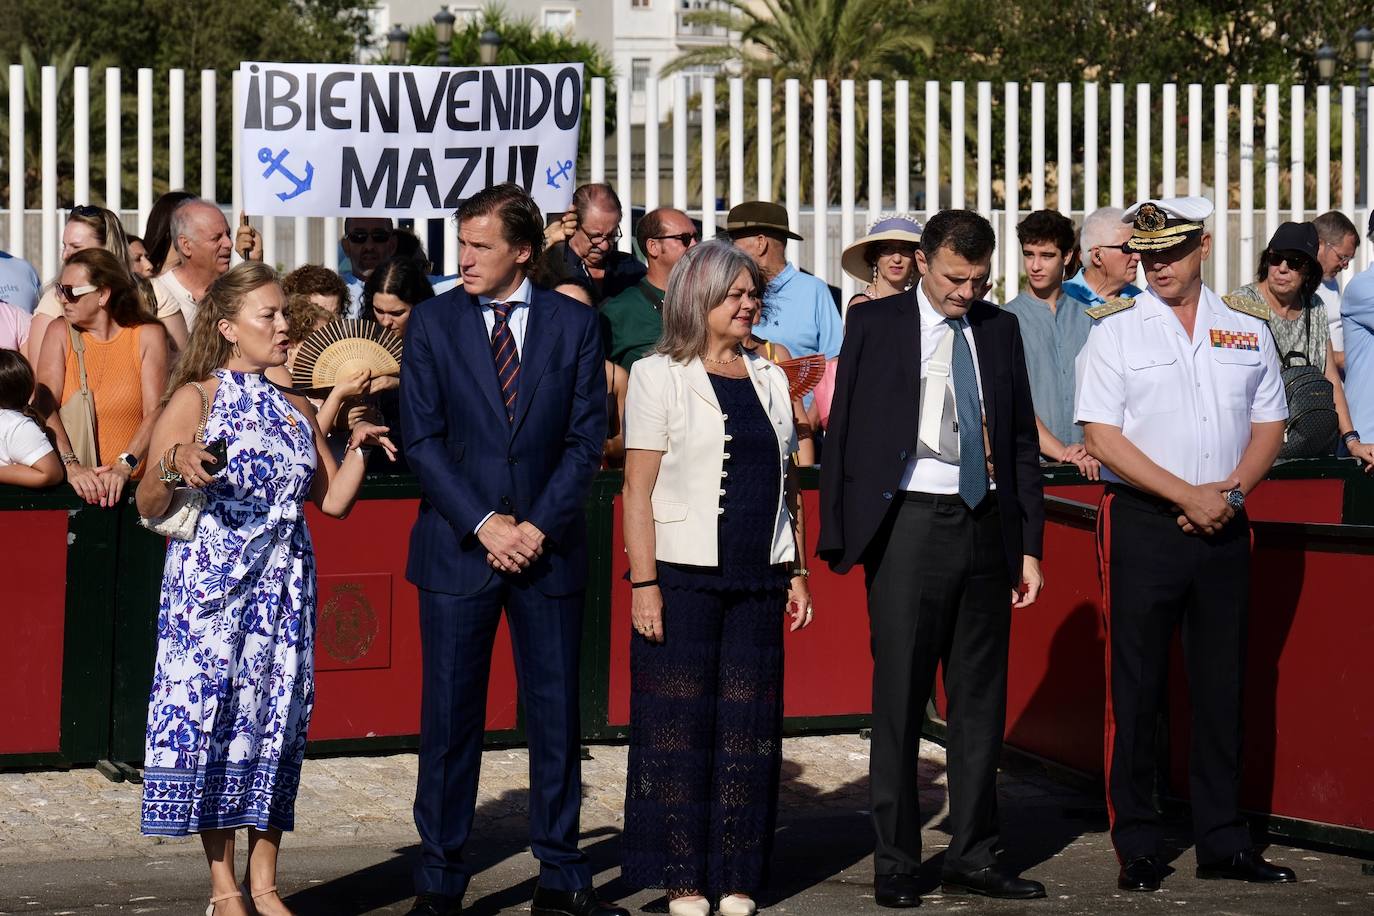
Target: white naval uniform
{"points": [[1187, 404]]}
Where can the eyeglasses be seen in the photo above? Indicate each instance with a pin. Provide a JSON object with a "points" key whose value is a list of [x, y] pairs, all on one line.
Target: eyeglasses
{"points": [[1342, 260], [359, 236], [72, 293], [598, 240], [1124, 248], [685, 239]]}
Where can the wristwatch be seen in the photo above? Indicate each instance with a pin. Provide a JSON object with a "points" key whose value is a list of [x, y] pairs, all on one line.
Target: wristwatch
{"points": [[1235, 498], [130, 460]]}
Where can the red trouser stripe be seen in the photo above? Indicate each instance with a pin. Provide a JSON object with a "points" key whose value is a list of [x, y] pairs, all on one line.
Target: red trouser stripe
{"points": [[1104, 571]]}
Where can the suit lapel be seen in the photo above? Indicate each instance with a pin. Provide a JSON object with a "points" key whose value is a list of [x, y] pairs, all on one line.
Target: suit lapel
{"points": [[541, 333], [909, 343], [985, 341], [695, 373], [474, 343]]}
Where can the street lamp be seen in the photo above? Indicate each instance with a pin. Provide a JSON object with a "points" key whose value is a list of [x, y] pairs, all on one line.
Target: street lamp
{"points": [[488, 46], [1326, 63], [396, 41], [1364, 43], [443, 34]]}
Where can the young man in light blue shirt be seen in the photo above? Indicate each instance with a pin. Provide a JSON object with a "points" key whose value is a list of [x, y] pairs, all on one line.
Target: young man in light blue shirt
{"points": [[1357, 320], [19, 285]]}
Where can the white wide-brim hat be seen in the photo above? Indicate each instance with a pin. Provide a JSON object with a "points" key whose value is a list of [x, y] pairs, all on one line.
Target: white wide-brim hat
{"points": [[890, 228]]}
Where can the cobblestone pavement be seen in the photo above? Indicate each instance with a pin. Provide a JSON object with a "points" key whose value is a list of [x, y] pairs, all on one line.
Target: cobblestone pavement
{"points": [[69, 844]]}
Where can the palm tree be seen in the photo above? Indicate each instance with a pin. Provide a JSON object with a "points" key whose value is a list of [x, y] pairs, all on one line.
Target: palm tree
{"points": [[809, 40]]}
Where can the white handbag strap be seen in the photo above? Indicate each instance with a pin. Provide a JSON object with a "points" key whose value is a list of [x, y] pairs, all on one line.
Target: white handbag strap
{"points": [[933, 401]]}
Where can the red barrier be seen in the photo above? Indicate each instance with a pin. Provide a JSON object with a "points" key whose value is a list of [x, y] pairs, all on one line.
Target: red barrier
{"points": [[35, 547]]}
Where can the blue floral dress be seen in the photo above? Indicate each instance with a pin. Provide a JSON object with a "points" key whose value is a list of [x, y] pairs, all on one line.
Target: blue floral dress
{"points": [[234, 682]]}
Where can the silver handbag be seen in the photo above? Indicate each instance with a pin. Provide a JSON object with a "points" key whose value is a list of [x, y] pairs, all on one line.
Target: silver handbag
{"points": [[183, 512]]}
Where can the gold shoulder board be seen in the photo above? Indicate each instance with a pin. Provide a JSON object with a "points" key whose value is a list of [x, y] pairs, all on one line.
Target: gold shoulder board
{"points": [[1111, 307], [1246, 306]]}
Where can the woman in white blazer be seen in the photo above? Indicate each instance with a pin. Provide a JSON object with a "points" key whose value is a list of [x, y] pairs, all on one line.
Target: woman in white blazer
{"points": [[713, 531]]}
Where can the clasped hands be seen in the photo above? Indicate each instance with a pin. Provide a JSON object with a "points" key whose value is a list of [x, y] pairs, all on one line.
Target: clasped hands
{"points": [[511, 546], [102, 486], [1206, 511]]}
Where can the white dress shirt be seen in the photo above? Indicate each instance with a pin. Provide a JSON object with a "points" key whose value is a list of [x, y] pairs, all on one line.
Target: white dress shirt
{"points": [[1186, 403], [518, 318], [932, 475]]}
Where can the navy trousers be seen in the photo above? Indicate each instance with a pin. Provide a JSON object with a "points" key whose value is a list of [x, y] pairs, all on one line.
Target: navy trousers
{"points": [[456, 636]]}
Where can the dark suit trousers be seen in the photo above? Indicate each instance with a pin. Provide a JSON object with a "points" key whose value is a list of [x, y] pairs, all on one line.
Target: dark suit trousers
{"points": [[456, 635], [1158, 579], [937, 592]]}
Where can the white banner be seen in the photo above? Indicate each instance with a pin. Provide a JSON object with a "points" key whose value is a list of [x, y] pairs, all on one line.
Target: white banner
{"points": [[334, 140]]}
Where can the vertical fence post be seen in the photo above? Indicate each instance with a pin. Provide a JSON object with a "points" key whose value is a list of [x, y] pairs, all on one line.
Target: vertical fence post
{"points": [[736, 141], [650, 146], [846, 178], [680, 143], [624, 177], [1117, 132], [901, 148], [1064, 156], [176, 129], [820, 181], [81, 135], [16, 240], [1011, 253], [114, 168], [1348, 149], [1090, 135], [1221, 179], [598, 130], [792, 164], [984, 127], [1037, 163], [708, 157], [1194, 140], [145, 147], [235, 143], [207, 135], [957, 155], [1297, 176], [331, 246], [1367, 179], [875, 150], [1246, 261], [1323, 148], [765, 147], [932, 147], [48, 138], [1169, 125], [1271, 161], [1143, 188]]}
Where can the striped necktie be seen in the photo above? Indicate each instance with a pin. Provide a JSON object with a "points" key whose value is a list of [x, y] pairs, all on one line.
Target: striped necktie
{"points": [[504, 354], [973, 470]]}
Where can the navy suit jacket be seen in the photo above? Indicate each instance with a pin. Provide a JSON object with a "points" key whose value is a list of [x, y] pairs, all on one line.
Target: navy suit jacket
{"points": [[470, 460]]}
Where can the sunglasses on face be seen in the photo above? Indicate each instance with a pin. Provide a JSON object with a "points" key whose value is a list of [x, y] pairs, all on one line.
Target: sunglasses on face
{"points": [[1295, 261], [359, 236], [683, 238], [69, 293], [1121, 248]]}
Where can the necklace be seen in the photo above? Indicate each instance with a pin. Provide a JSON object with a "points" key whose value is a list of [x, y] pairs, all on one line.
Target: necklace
{"points": [[723, 362]]}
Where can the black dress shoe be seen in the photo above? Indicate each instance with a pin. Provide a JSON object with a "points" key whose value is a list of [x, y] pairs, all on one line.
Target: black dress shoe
{"points": [[1246, 865], [991, 882], [572, 903], [1140, 874], [896, 891], [436, 905]]}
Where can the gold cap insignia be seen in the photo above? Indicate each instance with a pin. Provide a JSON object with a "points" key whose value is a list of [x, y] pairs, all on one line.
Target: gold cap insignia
{"points": [[1150, 218]]}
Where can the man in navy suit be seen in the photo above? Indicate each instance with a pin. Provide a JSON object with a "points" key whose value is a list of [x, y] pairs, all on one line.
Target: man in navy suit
{"points": [[503, 403]]}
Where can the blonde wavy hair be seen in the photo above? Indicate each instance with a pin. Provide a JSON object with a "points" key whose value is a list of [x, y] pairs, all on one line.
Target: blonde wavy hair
{"points": [[208, 349]]}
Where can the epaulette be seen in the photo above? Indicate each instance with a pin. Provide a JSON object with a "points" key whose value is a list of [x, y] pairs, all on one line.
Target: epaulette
{"points": [[1246, 306], [1110, 307]]}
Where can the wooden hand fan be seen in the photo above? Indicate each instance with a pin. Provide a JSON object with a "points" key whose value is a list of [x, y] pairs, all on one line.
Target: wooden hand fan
{"points": [[803, 373], [342, 347]]}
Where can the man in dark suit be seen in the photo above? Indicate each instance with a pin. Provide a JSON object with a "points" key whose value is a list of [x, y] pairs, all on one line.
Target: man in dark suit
{"points": [[948, 535], [503, 403]]}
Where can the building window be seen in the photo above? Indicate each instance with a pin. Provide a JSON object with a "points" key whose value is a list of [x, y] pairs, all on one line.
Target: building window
{"points": [[559, 19], [639, 74], [639, 4]]}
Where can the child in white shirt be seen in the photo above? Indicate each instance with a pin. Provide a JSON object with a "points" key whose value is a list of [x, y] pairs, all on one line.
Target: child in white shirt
{"points": [[27, 458]]}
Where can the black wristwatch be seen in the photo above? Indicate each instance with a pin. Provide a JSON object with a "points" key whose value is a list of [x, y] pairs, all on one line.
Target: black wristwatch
{"points": [[130, 460], [1235, 498]]}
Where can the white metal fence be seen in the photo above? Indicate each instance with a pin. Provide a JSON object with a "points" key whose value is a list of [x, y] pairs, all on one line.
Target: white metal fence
{"points": [[940, 153]]}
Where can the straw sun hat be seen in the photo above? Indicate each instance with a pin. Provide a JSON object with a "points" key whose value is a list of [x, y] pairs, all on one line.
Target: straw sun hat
{"points": [[897, 228]]}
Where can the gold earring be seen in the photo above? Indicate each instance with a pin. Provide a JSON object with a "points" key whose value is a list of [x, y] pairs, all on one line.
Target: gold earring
{"points": [[234, 350]]}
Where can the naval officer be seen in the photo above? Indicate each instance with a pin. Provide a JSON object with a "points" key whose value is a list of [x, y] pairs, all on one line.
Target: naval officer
{"points": [[1180, 398]]}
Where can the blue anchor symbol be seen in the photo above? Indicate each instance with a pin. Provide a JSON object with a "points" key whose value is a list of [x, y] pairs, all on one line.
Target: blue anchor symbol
{"points": [[551, 177], [274, 164]]}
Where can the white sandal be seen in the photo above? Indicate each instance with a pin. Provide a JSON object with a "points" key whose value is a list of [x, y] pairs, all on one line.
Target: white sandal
{"points": [[681, 906], [737, 905]]}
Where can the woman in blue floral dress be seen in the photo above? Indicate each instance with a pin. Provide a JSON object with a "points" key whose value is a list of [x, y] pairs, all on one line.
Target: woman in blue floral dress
{"points": [[234, 680]]}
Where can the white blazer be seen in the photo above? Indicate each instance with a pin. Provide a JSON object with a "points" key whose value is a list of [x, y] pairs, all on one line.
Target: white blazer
{"points": [[671, 408]]}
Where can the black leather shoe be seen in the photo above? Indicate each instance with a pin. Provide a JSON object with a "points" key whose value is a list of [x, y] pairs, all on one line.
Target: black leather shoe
{"points": [[896, 891], [1140, 874], [991, 882], [1246, 865], [436, 905], [572, 903]]}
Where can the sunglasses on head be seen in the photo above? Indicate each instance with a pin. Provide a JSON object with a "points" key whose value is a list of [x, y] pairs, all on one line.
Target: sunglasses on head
{"points": [[68, 293], [86, 210], [358, 236], [684, 238]]}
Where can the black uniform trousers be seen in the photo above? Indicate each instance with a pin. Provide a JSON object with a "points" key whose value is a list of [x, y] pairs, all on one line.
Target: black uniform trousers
{"points": [[1155, 579], [937, 592]]}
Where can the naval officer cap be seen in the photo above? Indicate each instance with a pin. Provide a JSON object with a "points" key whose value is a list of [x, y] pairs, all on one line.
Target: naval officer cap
{"points": [[1157, 225]]}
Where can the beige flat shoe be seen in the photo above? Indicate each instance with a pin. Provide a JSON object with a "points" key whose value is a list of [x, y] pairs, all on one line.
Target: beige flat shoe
{"points": [[737, 905], [682, 906]]}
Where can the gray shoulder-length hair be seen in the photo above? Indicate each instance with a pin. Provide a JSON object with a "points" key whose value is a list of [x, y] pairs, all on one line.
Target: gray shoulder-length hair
{"points": [[700, 282]]}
